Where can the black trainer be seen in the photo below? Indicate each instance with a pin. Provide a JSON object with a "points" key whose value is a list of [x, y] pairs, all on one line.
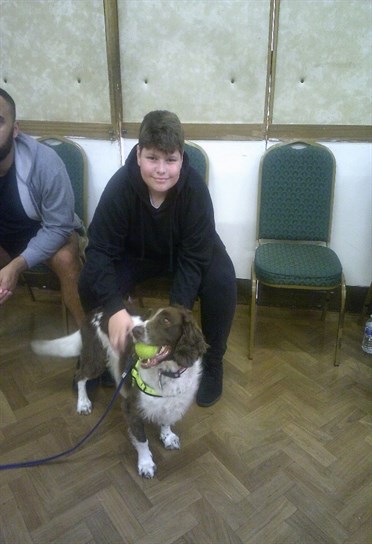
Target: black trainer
{"points": [[210, 388], [107, 380], [91, 384]]}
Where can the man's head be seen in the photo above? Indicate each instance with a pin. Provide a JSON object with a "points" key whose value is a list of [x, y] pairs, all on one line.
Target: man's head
{"points": [[163, 131], [9, 100], [8, 130]]}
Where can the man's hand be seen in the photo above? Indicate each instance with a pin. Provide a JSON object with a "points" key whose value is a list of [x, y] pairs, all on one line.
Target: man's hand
{"points": [[9, 277], [119, 326]]}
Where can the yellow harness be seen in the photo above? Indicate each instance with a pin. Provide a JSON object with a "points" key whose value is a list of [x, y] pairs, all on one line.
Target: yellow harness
{"points": [[142, 386], [138, 381]]}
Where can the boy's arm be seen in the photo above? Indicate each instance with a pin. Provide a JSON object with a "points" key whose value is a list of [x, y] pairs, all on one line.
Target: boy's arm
{"points": [[198, 237]]}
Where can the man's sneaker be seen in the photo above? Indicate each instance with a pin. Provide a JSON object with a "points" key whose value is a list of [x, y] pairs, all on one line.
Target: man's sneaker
{"points": [[210, 388]]}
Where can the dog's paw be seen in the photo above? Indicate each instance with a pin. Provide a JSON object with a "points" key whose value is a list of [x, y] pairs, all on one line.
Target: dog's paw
{"points": [[84, 407], [145, 464], [170, 440], [147, 469]]}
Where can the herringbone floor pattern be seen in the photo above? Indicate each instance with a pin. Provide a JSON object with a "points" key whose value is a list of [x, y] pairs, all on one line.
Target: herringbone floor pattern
{"points": [[283, 458]]}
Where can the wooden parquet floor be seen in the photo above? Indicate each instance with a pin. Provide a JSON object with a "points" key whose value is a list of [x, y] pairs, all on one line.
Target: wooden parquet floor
{"points": [[283, 458]]}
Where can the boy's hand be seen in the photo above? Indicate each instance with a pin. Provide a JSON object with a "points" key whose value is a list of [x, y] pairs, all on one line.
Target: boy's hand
{"points": [[119, 326]]}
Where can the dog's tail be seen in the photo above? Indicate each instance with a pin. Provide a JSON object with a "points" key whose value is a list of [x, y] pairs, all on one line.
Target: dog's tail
{"points": [[67, 346]]}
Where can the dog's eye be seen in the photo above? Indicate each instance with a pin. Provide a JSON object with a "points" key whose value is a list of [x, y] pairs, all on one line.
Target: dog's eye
{"points": [[166, 321]]}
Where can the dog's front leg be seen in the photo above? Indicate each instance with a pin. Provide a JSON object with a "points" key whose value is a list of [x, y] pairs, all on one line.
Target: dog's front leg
{"points": [[145, 464], [84, 406], [137, 435], [170, 440]]}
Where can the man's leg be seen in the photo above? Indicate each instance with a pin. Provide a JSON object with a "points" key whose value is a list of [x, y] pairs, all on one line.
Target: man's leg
{"points": [[66, 264], [5, 291], [217, 304]]}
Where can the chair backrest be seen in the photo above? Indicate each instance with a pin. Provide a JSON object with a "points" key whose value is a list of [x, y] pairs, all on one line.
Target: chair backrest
{"points": [[74, 159], [198, 159], [296, 192]]}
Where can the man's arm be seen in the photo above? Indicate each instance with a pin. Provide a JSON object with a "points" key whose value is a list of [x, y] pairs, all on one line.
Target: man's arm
{"points": [[50, 200]]}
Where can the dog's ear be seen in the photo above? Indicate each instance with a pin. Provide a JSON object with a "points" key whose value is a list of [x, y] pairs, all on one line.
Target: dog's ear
{"points": [[191, 346]]}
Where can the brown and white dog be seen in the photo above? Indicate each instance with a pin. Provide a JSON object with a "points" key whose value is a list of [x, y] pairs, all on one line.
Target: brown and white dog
{"points": [[162, 388]]}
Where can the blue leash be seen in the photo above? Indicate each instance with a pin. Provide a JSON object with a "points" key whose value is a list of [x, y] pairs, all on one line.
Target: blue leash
{"points": [[81, 442]]}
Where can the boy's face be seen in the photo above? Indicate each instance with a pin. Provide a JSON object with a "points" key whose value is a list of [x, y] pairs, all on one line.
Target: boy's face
{"points": [[160, 171]]}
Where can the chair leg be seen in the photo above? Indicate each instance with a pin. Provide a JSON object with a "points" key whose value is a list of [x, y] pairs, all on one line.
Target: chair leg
{"points": [[65, 317], [368, 300], [253, 313], [325, 305], [29, 288], [340, 322]]}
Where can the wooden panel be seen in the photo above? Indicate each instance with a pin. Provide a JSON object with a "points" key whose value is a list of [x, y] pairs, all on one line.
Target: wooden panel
{"points": [[101, 131], [351, 133], [195, 131]]}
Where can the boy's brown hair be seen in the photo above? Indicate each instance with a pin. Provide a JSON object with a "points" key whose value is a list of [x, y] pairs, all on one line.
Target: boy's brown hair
{"points": [[162, 130]]}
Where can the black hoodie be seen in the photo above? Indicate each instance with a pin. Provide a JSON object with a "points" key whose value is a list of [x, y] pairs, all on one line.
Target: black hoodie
{"points": [[180, 233]]}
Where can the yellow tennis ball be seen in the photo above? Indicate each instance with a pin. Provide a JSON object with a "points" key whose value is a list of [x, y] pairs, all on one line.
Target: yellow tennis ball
{"points": [[144, 351]]}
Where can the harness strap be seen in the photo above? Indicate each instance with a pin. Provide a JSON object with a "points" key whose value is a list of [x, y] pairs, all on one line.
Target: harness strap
{"points": [[138, 381], [142, 386]]}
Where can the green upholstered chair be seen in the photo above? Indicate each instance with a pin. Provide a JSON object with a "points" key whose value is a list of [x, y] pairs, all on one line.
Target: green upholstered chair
{"points": [[198, 159], [74, 158], [295, 203]]}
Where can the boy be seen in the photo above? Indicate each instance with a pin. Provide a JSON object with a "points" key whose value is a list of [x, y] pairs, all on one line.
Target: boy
{"points": [[155, 217]]}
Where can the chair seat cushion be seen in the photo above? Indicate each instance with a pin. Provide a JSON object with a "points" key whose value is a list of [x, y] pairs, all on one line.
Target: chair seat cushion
{"points": [[39, 269], [297, 264]]}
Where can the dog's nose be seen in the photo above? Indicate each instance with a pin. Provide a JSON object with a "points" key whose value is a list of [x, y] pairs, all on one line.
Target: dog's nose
{"points": [[138, 331]]}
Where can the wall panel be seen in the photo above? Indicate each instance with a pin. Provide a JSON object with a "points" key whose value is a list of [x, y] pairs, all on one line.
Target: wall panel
{"points": [[53, 59], [323, 63], [205, 60]]}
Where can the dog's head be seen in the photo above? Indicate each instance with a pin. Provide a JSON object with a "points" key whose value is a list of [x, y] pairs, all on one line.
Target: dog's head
{"points": [[174, 330]]}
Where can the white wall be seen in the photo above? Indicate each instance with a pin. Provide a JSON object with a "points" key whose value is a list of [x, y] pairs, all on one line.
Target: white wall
{"points": [[233, 186]]}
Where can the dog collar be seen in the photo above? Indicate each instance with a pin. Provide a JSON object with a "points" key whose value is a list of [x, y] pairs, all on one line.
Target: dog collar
{"points": [[142, 386], [170, 374]]}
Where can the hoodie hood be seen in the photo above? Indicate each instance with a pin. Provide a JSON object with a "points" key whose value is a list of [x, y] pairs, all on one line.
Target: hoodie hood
{"points": [[25, 153], [161, 228], [165, 213]]}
